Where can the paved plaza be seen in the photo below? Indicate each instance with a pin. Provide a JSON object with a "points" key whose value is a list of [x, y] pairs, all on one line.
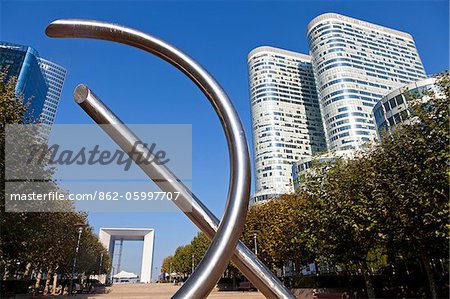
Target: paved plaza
{"points": [[164, 290]]}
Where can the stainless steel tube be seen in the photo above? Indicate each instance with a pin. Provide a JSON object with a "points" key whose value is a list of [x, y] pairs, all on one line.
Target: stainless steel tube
{"points": [[199, 214], [224, 241], [222, 246]]}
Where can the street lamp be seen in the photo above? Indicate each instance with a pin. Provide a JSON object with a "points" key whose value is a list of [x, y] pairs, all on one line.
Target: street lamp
{"points": [[170, 272], [80, 231], [100, 265], [193, 266], [255, 240]]}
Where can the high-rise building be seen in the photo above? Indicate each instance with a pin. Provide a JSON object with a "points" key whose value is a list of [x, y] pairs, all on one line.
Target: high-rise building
{"points": [[394, 109], [55, 75], [38, 79], [22, 63], [356, 63], [286, 120]]}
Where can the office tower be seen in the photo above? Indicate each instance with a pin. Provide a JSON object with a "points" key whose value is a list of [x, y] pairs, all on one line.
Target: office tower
{"points": [[286, 120], [22, 63], [394, 109], [355, 64], [55, 76]]}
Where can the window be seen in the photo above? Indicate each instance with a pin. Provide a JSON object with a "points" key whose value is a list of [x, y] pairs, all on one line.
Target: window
{"points": [[393, 103], [391, 121]]}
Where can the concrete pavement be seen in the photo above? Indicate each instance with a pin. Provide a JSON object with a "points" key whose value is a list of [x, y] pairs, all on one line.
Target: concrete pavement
{"points": [[163, 290]]}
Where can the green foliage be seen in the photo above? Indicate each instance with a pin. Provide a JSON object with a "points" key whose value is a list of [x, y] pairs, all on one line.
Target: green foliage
{"points": [[182, 260], [413, 179], [12, 108], [90, 253], [389, 202], [166, 264], [279, 226], [199, 245], [41, 241]]}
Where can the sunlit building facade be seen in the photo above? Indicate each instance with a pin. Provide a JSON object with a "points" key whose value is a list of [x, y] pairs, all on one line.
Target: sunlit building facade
{"points": [[356, 63], [22, 62], [39, 81], [55, 76], [286, 120], [394, 109]]}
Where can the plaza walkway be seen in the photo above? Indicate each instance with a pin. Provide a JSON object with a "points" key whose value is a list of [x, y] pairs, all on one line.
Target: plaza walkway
{"points": [[164, 290]]}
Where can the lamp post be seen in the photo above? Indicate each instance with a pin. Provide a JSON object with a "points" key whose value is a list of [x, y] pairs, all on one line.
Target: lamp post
{"points": [[255, 241], [193, 266], [112, 274], [80, 231], [170, 272], [100, 265]]}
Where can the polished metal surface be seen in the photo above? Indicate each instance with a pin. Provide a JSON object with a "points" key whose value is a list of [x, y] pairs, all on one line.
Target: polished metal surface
{"points": [[243, 257], [224, 234]]}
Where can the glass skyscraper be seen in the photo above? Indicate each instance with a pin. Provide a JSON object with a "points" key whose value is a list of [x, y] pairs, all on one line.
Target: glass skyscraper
{"points": [[356, 63], [38, 79], [22, 63], [55, 76], [302, 105], [286, 120], [393, 109]]}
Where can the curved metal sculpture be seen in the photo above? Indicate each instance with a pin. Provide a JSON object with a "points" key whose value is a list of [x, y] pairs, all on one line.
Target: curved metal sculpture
{"points": [[225, 234]]}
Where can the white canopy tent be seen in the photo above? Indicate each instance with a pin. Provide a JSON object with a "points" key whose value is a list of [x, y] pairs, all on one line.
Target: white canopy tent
{"points": [[123, 275]]}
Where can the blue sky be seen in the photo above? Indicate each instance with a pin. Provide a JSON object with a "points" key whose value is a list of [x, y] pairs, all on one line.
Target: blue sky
{"points": [[143, 89]]}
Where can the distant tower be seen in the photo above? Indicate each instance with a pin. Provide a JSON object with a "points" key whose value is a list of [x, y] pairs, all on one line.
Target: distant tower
{"points": [[23, 63], [356, 63], [286, 120], [55, 76]]}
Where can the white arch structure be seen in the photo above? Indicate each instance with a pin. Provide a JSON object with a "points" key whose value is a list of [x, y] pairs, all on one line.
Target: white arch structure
{"points": [[108, 236]]}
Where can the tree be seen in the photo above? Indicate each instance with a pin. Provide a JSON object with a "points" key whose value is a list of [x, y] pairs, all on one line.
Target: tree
{"points": [[43, 241], [344, 228], [182, 259], [279, 227], [12, 110], [185, 255], [413, 179], [199, 244], [392, 197], [166, 264], [90, 251]]}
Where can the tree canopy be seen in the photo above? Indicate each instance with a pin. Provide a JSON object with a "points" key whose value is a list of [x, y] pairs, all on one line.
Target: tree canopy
{"points": [[40, 241], [388, 203]]}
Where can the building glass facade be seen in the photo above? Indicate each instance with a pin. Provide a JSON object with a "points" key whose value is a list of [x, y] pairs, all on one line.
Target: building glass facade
{"points": [[55, 76], [355, 64], [393, 109], [22, 63], [286, 120]]}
